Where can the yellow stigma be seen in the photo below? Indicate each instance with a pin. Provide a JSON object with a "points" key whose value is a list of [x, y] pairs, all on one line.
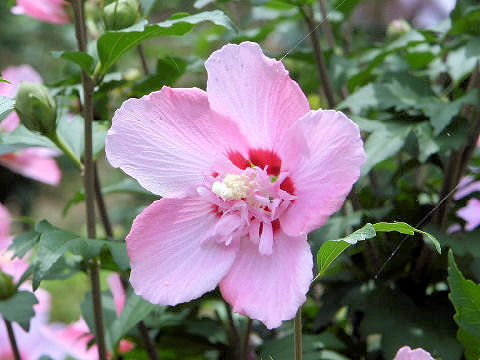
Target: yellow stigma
{"points": [[232, 187]]}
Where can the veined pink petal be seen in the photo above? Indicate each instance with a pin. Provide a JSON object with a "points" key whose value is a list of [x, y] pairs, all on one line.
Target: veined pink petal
{"points": [[4, 228], [254, 91], [51, 11], [406, 353], [168, 140], [270, 288], [35, 163], [15, 75], [471, 214], [118, 292], [171, 257], [323, 171]]}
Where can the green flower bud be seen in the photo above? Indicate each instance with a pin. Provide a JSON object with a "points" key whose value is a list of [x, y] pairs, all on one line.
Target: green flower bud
{"points": [[36, 108], [397, 28], [120, 14], [7, 287]]}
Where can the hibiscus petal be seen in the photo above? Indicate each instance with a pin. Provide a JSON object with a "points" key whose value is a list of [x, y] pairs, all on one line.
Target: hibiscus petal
{"points": [[471, 214], [254, 91], [35, 163], [270, 288], [5, 238], [324, 171], [118, 292], [406, 353], [170, 259], [168, 140]]}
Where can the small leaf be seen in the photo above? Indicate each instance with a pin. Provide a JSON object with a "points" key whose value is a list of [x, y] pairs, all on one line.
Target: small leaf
{"points": [[113, 44], [404, 228], [80, 58], [19, 308], [7, 105], [332, 249]]}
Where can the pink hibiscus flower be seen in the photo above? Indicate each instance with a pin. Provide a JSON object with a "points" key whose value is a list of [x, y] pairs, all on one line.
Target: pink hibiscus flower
{"points": [[245, 170], [35, 342], [35, 163], [52, 11], [406, 353]]}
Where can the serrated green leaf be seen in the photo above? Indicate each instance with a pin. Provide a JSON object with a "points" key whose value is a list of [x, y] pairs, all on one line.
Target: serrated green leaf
{"points": [[465, 296], [113, 44], [462, 61], [55, 242], [19, 308], [24, 242], [385, 142], [79, 58]]}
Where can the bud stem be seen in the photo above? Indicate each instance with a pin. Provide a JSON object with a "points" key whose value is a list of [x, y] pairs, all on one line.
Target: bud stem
{"points": [[66, 150], [13, 341], [297, 325]]}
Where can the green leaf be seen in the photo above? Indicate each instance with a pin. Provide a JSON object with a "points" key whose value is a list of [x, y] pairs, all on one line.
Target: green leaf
{"points": [[462, 61], [24, 242], [19, 308], [55, 242], [426, 142], [385, 142], [441, 113], [70, 131], [113, 44], [404, 228], [332, 249], [465, 296], [7, 105], [135, 310], [80, 58], [21, 138]]}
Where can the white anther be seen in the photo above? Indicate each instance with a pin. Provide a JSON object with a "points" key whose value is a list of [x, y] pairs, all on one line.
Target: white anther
{"points": [[232, 187]]}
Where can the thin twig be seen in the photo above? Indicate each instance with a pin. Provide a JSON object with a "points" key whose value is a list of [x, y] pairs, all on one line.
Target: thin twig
{"points": [[326, 27], [297, 325], [246, 339], [88, 176], [13, 341], [143, 59], [235, 338], [102, 209], [149, 347], [319, 59]]}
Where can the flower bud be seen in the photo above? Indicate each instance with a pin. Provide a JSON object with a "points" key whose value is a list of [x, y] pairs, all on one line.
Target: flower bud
{"points": [[120, 14], [36, 107], [7, 287], [397, 28]]}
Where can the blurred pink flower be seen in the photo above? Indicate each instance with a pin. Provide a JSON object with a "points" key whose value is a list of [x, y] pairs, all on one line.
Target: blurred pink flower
{"points": [[245, 170], [405, 353], [471, 214], [52, 11], [421, 13], [35, 342], [74, 338], [35, 163]]}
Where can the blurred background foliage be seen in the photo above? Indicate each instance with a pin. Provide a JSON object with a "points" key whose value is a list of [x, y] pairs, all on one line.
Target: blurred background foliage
{"points": [[413, 91]]}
